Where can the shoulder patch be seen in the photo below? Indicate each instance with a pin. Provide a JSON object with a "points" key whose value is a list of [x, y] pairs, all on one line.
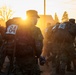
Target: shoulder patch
{"points": [[62, 26]]}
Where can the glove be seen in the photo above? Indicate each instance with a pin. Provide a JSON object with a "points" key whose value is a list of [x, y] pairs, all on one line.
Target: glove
{"points": [[42, 60]]}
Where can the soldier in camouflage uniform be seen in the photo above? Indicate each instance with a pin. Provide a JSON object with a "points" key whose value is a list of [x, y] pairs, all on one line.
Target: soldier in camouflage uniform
{"points": [[35, 31], [29, 64], [64, 44], [47, 41], [49, 51], [69, 66], [8, 46], [2, 31]]}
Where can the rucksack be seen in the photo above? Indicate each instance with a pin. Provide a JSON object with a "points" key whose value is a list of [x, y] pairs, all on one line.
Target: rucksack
{"points": [[25, 44], [61, 33], [10, 39]]}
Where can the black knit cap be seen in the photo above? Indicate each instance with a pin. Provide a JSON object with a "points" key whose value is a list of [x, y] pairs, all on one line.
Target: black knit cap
{"points": [[72, 20]]}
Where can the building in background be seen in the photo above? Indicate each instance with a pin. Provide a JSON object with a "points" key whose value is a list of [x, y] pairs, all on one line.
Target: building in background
{"points": [[43, 20]]}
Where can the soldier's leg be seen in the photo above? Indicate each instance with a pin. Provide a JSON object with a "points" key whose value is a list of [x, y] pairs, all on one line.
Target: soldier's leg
{"points": [[54, 64], [62, 67], [57, 66], [10, 65], [2, 58], [63, 62], [69, 66], [74, 61], [74, 64], [35, 70]]}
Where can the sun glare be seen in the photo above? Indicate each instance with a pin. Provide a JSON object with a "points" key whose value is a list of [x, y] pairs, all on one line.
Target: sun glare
{"points": [[52, 7], [24, 17]]}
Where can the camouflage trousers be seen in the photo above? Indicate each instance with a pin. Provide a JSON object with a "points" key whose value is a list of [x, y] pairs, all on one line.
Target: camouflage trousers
{"points": [[27, 67], [62, 53], [2, 58]]}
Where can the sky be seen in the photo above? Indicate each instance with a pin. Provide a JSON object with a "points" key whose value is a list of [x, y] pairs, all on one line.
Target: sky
{"points": [[52, 6]]}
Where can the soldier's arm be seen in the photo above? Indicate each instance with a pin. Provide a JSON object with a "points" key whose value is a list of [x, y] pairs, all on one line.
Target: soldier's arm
{"points": [[39, 43]]}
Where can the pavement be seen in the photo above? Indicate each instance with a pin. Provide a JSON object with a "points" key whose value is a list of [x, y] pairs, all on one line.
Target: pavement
{"points": [[46, 70]]}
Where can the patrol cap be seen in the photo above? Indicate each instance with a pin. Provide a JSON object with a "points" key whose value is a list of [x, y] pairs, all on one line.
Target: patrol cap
{"points": [[32, 13], [72, 20]]}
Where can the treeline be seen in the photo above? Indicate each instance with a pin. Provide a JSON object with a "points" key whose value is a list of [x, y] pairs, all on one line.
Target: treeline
{"points": [[64, 17], [6, 13]]}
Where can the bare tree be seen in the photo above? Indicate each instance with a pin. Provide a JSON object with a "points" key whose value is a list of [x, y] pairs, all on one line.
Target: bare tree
{"points": [[56, 18], [6, 13], [65, 17]]}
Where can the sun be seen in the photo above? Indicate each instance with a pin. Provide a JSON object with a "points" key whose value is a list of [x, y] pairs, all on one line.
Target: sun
{"points": [[24, 17]]}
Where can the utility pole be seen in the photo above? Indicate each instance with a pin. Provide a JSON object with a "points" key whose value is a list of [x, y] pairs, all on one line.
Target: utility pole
{"points": [[44, 7], [44, 13]]}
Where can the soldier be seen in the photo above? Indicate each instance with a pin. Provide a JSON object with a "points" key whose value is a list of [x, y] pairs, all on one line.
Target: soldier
{"points": [[69, 66], [26, 60], [2, 31], [32, 18], [9, 43], [48, 39], [65, 44], [47, 34]]}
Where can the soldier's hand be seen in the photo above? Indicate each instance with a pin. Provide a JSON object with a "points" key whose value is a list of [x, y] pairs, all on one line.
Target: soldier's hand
{"points": [[42, 60]]}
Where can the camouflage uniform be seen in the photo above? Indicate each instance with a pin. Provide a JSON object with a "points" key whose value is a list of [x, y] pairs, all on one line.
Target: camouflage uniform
{"points": [[35, 31], [66, 55], [73, 33], [37, 35], [28, 64], [9, 44], [47, 41], [2, 30], [62, 47]]}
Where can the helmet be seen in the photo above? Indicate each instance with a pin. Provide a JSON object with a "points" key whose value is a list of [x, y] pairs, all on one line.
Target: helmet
{"points": [[32, 13]]}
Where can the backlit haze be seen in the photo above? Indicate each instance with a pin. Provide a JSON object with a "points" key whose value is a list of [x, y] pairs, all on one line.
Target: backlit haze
{"points": [[59, 6]]}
